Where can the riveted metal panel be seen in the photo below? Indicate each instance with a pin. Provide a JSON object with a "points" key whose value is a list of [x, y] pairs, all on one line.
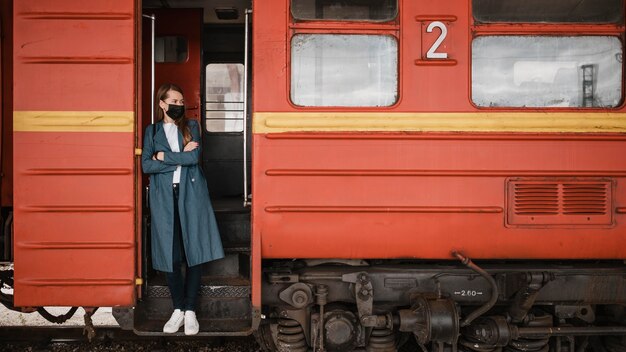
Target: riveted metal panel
{"points": [[74, 102]]}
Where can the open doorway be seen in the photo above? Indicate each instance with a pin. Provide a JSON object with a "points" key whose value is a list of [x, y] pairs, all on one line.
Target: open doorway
{"points": [[200, 46]]}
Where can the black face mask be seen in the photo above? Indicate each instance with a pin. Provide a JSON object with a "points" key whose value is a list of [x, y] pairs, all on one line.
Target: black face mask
{"points": [[175, 111]]}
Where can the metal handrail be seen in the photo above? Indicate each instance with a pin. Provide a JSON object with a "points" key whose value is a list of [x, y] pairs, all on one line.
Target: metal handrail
{"points": [[246, 201], [152, 38]]}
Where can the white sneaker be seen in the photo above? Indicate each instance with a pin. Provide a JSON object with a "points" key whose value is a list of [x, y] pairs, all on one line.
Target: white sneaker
{"points": [[191, 323], [175, 322]]}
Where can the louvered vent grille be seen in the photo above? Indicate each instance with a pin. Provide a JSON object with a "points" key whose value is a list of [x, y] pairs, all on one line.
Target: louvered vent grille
{"points": [[585, 199], [559, 201], [536, 199]]}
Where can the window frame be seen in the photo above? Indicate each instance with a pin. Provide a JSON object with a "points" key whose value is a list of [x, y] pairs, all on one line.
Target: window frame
{"points": [[185, 39], [471, 70], [476, 20], [294, 19], [397, 97], [480, 29], [205, 101], [388, 28]]}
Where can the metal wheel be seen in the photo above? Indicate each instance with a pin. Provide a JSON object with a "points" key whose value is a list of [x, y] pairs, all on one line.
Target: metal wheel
{"points": [[263, 337]]}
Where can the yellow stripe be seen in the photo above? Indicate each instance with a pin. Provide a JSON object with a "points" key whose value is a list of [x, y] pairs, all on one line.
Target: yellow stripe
{"points": [[268, 122], [73, 121]]}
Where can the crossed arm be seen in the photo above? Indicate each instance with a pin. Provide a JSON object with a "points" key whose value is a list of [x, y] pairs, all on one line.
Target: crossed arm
{"points": [[153, 162]]}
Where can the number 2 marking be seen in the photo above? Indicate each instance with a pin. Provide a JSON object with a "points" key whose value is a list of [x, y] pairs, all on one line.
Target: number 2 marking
{"points": [[431, 54]]}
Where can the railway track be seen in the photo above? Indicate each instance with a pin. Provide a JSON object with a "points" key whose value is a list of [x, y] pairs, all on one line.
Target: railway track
{"points": [[111, 338]]}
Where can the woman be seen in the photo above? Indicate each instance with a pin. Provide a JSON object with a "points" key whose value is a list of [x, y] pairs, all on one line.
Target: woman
{"points": [[184, 230]]}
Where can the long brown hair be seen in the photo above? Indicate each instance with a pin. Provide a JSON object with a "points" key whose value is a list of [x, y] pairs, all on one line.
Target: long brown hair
{"points": [[181, 123]]}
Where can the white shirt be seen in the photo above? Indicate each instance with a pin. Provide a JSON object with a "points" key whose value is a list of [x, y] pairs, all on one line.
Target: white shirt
{"points": [[171, 132]]}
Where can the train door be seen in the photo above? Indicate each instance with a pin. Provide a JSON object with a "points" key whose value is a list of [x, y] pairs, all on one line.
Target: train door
{"points": [[194, 49], [73, 141]]}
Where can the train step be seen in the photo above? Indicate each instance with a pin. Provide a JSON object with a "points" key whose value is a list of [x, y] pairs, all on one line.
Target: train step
{"points": [[233, 221], [234, 264], [241, 248], [223, 309], [229, 205], [224, 306]]}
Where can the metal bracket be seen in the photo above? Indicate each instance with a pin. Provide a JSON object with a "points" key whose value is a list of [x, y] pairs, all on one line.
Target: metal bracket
{"points": [[89, 329], [364, 296], [363, 292], [298, 295], [527, 294]]}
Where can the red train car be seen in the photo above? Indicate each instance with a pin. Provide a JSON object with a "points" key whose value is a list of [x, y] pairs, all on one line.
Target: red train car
{"points": [[385, 143]]}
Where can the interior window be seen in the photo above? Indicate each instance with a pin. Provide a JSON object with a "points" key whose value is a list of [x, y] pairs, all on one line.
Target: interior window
{"points": [[344, 70], [344, 10], [170, 49], [224, 97], [564, 11], [546, 71]]}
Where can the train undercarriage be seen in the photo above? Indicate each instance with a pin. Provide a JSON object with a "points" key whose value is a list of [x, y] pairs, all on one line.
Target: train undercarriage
{"points": [[403, 305]]}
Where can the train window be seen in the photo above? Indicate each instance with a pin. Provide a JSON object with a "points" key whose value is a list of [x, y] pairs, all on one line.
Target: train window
{"points": [[344, 10], [344, 70], [170, 49], [224, 98], [547, 71], [563, 11]]}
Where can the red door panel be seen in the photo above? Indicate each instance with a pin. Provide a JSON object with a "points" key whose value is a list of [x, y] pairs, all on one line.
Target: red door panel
{"points": [[185, 23], [74, 112]]}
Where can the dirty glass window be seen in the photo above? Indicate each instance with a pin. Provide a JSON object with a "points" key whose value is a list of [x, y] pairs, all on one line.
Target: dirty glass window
{"points": [[344, 70], [547, 71], [557, 11], [170, 49], [344, 10], [224, 98]]}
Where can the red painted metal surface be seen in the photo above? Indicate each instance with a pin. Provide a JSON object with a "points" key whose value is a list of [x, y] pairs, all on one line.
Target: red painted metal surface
{"points": [[186, 23], [74, 191], [74, 224], [411, 194], [353, 196], [73, 55]]}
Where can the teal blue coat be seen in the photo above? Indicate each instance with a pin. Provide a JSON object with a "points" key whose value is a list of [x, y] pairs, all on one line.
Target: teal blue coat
{"points": [[201, 238]]}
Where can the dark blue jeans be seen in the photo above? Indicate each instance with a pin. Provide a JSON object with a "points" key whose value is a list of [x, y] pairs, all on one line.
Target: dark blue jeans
{"points": [[184, 290]]}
